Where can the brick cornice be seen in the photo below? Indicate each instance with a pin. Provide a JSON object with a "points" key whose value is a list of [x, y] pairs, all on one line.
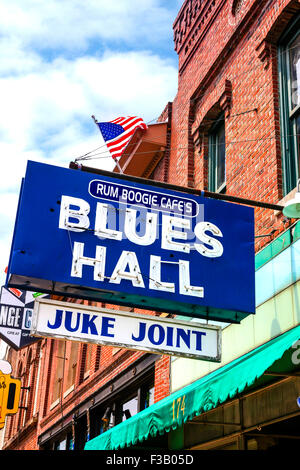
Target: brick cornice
{"points": [[226, 52], [192, 27], [264, 53], [184, 35], [225, 100], [203, 117], [273, 34], [192, 19]]}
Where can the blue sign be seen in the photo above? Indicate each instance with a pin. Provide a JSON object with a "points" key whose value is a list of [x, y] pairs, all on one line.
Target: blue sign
{"points": [[109, 239]]}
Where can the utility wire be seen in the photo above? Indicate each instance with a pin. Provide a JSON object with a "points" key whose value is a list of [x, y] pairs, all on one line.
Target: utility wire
{"points": [[103, 146], [186, 129], [92, 155], [267, 84], [96, 156]]}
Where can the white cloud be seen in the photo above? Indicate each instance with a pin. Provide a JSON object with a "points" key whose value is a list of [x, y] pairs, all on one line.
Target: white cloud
{"points": [[3, 348], [71, 24], [5, 367], [61, 62], [46, 113]]}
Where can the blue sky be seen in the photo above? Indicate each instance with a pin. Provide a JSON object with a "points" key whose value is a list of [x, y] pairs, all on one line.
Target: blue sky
{"points": [[61, 62]]}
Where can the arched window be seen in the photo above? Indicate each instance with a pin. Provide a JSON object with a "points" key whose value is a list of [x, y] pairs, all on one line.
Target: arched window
{"points": [[60, 358]]}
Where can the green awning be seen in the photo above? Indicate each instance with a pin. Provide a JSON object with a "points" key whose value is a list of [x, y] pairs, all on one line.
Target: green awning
{"points": [[202, 395]]}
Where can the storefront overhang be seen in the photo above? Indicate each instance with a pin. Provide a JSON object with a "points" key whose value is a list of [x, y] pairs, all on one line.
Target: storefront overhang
{"points": [[199, 397], [130, 377], [144, 151]]}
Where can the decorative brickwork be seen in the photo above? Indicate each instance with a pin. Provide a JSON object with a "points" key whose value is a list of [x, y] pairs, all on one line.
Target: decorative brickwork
{"points": [[233, 69]]}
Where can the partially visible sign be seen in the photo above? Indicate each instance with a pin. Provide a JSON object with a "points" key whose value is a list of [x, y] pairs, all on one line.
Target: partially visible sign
{"points": [[124, 242], [16, 309], [126, 329]]}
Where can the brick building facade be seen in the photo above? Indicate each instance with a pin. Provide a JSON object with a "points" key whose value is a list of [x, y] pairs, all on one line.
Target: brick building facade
{"points": [[63, 382], [233, 128], [229, 54]]}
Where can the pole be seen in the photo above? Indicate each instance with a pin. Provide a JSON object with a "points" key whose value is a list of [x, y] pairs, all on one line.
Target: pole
{"points": [[199, 192]]}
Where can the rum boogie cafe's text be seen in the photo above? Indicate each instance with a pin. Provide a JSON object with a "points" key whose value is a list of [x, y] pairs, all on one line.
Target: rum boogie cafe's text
{"points": [[126, 329], [125, 243]]}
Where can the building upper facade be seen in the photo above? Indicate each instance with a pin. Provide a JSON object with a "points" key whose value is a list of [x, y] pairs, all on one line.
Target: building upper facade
{"points": [[235, 120]]}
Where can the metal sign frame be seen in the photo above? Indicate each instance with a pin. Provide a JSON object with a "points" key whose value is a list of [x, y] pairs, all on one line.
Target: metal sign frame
{"points": [[63, 251], [50, 318]]}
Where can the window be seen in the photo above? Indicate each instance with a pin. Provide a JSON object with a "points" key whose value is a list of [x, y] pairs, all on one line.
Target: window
{"points": [[129, 408], [64, 375], [59, 372], [147, 397], [63, 443], [289, 80], [29, 394], [237, 6], [71, 363], [87, 364], [125, 404], [217, 157]]}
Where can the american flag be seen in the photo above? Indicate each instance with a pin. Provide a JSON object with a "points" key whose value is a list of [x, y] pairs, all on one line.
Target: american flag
{"points": [[118, 132]]}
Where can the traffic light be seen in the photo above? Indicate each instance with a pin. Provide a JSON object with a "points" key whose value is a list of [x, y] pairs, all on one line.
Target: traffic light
{"points": [[9, 396]]}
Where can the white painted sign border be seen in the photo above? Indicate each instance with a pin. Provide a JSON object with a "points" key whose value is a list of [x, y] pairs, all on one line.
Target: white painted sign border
{"points": [[209, 336]]}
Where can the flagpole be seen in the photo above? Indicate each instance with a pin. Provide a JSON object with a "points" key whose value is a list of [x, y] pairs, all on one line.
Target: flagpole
{"points": [[115, 160]]}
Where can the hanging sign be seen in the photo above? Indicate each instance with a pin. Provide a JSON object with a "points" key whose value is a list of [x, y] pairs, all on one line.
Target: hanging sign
{"points": [[108, 238], [10, 389], [126, 330], [16, 309]]}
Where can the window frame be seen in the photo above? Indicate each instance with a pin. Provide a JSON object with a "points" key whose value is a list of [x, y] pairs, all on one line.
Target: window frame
{"points": [[115, 405], [288, 115], [213, 154]]}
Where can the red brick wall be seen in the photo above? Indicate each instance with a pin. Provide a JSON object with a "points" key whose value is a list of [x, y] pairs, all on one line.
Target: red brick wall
{"points": [[112, 363], [162, 378], [25, 365]]}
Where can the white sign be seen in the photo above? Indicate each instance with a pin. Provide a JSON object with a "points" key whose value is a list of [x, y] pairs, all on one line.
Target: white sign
{"points": [[126, 329]]}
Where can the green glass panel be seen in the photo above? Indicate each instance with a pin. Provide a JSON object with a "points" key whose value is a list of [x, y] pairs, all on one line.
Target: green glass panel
{"points": [[273, 249], [296, 234]]}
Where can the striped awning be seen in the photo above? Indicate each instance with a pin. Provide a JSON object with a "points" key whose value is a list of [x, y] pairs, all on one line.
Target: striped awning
{"points": [[202, 395]]}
